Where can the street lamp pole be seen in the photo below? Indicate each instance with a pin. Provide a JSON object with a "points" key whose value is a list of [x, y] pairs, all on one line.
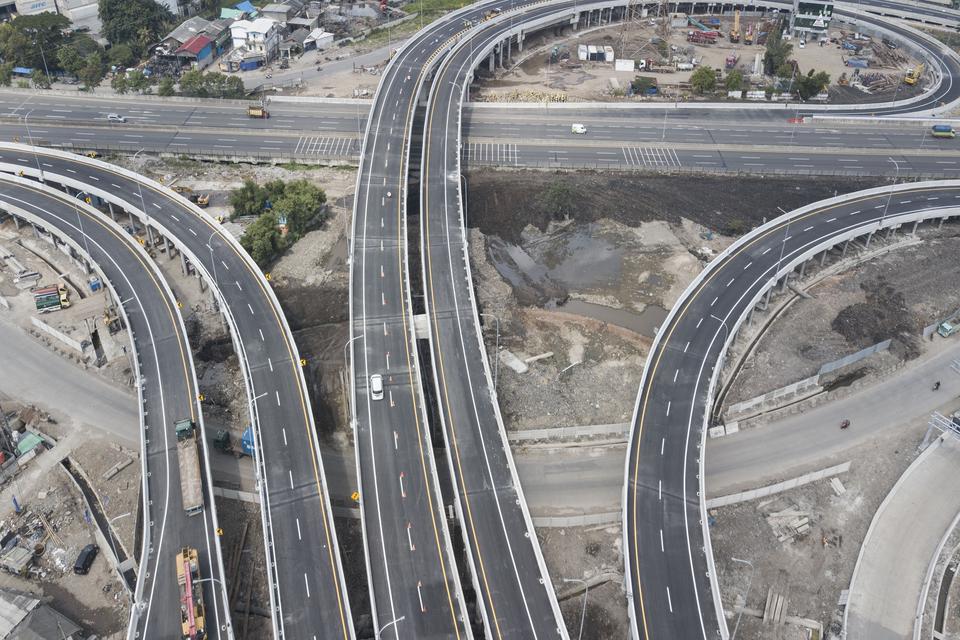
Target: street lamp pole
{"points": [[733, 636], [213, 263], [890, 193], [346, 366], [583, 610], [36, 156], [496, 362], [786, 236], [392, 622]]}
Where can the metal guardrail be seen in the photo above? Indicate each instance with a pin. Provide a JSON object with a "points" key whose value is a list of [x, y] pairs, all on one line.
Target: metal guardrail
{"points": [[146, 548]]}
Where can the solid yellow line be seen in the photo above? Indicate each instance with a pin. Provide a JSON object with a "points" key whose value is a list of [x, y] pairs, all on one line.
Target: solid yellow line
{"points": [[662, 349], [446, 396], [294, 364]]}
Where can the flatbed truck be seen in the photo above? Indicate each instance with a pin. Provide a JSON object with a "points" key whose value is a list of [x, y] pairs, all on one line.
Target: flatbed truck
{"points": [[191, 485]]}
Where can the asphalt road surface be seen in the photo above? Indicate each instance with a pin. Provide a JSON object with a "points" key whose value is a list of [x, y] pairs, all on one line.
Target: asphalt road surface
{"points": [[311, 593], [671, 590], [169, 394]]}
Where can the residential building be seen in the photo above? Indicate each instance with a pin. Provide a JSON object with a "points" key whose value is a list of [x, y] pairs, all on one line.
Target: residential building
{"points": [[197, 52], [318, 39], [309, 23], [279, 12], [292, 45], [23, 617], [811, 18], [260, 36], [187, 30]]}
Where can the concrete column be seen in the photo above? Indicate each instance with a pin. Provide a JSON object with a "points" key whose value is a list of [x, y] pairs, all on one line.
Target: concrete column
{"points": [[869, 237], [823, 258], [169, 246], [506, 61], [939, 226], [890, 232], [203, 285], [766, 301], [520, 42], [149, 236], [845, 245], [786, 277], [915, 225], [183, 264], [113, 214], [16, 222], [750, 317], [492, 62], [803, 267]]}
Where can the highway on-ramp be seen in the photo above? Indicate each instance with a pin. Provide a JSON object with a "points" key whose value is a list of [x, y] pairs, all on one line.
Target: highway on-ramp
{"points": [[310, 595], [168, 392], [669, 584]]}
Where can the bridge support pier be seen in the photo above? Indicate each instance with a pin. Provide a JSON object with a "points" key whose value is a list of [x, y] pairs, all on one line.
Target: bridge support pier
{"points": [[766, 301], [940, 224], [786, 277], [823, 258], [506, 61], [183, 264], [492, 62], [803, 266], [169, 246], [520, 42], [113, 214], [845, 245], [869, 238], [915, 225]]}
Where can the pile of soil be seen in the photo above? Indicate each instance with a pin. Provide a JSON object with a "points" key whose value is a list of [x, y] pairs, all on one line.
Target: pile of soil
{"points": [[502, 203], [883, 314]]}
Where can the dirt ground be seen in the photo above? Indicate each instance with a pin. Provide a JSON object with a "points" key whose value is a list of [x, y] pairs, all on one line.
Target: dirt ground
{"points": [[892, 296], [533, 77], [590, 289], [245, 567], [817, 566], [584, 553], [95, 601]]}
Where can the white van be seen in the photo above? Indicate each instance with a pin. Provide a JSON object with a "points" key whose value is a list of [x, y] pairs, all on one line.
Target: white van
{"points": [[577, 128]]}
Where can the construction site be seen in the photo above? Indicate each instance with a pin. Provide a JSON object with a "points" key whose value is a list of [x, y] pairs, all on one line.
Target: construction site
{"points": [[654, 58]]}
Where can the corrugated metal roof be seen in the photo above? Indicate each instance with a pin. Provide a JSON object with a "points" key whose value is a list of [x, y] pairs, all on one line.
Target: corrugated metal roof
{"points": [[195, 45], [14, 607], [28, 443]]}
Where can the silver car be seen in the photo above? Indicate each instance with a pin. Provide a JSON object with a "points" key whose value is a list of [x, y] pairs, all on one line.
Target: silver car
{"points": [[376, 386]]}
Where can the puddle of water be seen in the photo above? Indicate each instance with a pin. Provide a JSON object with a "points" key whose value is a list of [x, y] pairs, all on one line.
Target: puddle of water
{"points": [[586, 260], [645, 323]]}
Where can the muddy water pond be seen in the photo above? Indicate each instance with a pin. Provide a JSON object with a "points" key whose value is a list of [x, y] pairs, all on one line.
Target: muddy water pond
{"points": [[546, 268]]}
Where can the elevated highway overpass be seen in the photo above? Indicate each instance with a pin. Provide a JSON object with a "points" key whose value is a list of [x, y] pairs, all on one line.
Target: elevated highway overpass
{"points": [[166, 390], [300, 541]]}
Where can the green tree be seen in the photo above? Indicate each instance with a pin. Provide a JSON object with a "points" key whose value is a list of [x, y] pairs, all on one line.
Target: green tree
{"points": [[249, 200], [137, 23], [121, 55], [119, 83], [38, 38], [703, 80], [777, 52], [192, 84], [734, 80], [811, 84], [138, 82], [166, 87], [302, 206], [70, 60], [785, 71], [262, 239], [40, 79], [91, 75], [6, 74], [559, 199]]}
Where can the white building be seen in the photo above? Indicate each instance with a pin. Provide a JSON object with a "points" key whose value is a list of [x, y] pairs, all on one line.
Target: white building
{"points": [[261, 36], [811, 18]]}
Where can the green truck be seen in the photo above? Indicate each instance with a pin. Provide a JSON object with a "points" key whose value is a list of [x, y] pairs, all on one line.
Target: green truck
{"points": [[191, 484]]}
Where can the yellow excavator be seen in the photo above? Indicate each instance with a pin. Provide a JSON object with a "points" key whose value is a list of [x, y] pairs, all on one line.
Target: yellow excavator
{"points": [[735, 31], [913, 75]]}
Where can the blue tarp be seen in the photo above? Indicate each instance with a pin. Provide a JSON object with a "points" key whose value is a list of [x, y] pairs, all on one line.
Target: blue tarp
{"points": [[246, 6], [22, 71]]}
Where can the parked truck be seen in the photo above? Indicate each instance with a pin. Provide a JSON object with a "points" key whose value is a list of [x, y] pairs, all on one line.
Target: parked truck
{"points": [[191, 485], [51, 298], [223, 442], [948, 328], [943, 131], [193, 624], [257, 111]]}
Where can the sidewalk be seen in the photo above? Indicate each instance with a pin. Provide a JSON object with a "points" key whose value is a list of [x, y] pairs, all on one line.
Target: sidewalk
{"points": [[903, 537]]}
